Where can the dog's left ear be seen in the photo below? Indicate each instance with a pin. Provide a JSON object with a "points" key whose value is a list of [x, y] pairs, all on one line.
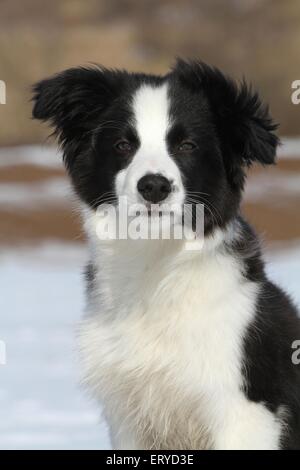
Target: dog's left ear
{"points": [[243, 123], [75, 98]]}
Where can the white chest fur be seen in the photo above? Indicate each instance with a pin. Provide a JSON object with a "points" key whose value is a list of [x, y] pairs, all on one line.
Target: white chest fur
{"points": [[162, 344]]}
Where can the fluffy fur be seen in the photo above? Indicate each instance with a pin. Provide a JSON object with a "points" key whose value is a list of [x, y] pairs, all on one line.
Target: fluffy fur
{"points": [[184, 349]]}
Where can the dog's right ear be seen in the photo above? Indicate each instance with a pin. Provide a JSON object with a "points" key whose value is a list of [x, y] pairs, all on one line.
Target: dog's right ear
{"points": [[243, 123], [72, 100]]}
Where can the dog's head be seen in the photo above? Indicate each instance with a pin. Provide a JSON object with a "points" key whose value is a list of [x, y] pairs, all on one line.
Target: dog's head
{"points": [[184, 137]]}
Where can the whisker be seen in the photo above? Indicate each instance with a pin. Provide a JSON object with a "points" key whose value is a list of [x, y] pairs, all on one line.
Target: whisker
{"points": [[209, 206], [204, 200]]}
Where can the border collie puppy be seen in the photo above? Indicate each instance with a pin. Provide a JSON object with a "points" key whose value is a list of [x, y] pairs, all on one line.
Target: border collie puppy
{"points": [[185, 349]]}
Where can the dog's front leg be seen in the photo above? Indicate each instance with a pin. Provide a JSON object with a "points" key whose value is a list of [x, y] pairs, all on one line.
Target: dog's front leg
{"points": [[249, 426]]}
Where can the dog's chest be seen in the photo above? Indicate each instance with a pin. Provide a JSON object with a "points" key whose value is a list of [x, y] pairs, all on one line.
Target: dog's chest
{"points": [[158, 365]]}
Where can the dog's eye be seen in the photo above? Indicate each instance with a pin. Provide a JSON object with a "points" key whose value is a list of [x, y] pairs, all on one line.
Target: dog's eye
{"points": [[187, 146], [124, 146]]}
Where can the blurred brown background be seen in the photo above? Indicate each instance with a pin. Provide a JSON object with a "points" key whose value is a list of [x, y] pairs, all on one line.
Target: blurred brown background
{"points": [[259, 39]]}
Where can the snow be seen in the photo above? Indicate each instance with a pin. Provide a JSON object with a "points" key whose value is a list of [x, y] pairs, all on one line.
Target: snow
{"points": [[263, 188], [289, 148], [55, 191], [42, 404], [283, 267], [41, 155]]}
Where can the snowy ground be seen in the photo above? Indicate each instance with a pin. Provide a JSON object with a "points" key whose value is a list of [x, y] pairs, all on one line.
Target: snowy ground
{"points": [[41, 403]]}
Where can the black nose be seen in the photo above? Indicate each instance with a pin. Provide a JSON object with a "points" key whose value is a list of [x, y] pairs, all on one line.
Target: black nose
{"points": [[154, 187]]}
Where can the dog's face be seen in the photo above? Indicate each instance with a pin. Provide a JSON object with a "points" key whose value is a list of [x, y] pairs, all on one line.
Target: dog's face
{"points": [[185, 137]]}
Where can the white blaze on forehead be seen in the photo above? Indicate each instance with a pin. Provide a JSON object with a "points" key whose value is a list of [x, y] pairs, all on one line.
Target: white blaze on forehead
{"points": [[150, 107], [151, 111]]}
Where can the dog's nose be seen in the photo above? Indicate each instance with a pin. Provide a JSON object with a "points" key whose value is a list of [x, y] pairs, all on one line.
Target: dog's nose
{"points": [[154, 187]]}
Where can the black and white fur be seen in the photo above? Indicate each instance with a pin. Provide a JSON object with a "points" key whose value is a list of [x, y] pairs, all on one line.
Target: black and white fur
{"points": [[184, 349]]}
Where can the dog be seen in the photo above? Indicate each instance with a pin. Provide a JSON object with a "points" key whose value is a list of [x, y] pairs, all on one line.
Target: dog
{"points": [[184, 348]]}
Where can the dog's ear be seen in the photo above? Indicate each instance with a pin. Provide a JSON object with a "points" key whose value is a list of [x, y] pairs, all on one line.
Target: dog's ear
{"points": [[243, 123], [73, 99]]}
